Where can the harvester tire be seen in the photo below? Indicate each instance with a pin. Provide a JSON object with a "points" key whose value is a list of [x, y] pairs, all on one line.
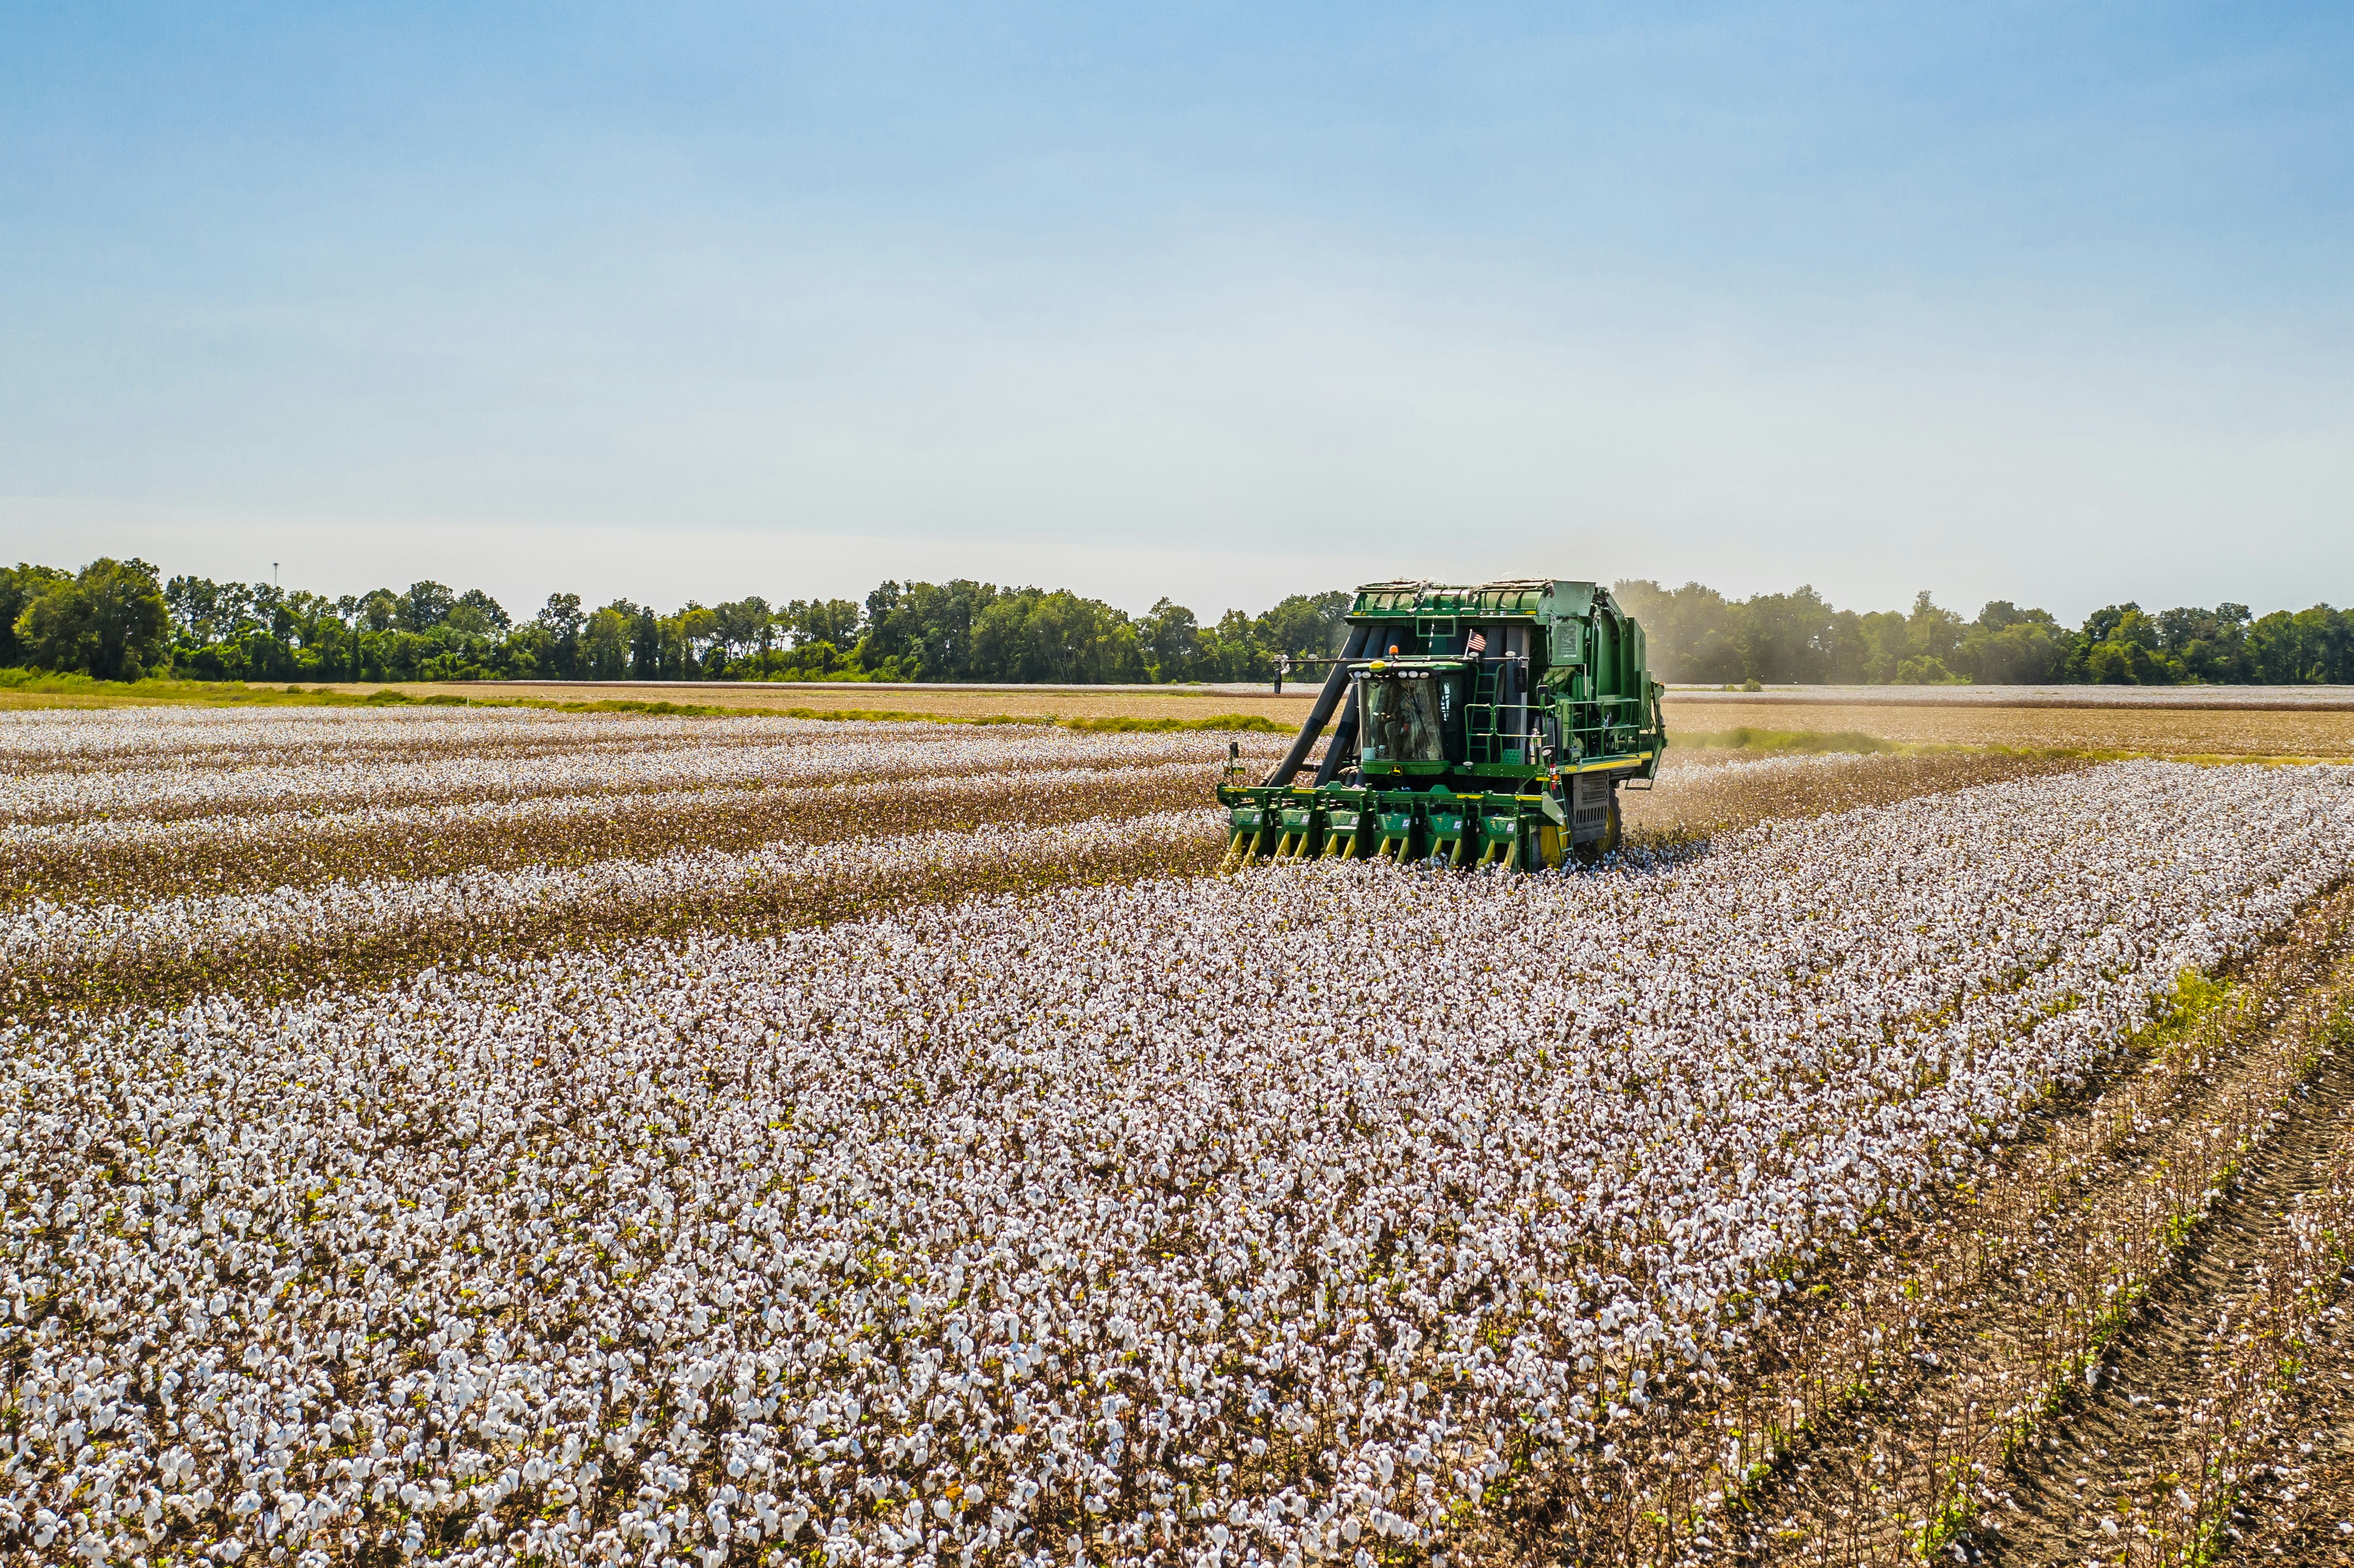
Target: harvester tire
{"points": [[1613, 835]]}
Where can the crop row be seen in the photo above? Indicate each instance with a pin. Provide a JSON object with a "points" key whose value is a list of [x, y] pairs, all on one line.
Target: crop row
{"points": [[1878, 1416], [151, 738], [288, 939], [738, 753], [1700, 793], [138, 862], [1316, 1211]]}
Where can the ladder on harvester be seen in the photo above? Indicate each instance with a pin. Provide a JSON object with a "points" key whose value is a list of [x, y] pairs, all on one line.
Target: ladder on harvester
{"points": [[1479, 715]]}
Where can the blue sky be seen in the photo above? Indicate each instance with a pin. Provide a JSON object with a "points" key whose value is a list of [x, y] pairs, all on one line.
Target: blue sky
{"points": [[2049, 303]]}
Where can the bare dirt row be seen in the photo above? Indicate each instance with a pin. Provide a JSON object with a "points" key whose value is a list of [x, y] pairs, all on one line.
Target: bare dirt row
{"points": [[2073, 1356], [2151, 1459], [431, 907], [289, 851]]}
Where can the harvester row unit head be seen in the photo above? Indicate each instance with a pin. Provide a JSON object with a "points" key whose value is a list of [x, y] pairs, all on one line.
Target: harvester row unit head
{"points": [[1488, 724]]}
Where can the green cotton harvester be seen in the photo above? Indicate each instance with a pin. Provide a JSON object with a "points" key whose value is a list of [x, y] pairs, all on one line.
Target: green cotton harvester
{"points": [[1484, 725]]}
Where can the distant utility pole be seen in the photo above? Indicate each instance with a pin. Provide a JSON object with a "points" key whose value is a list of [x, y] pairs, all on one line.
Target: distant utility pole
{"points": [[273, 573]]}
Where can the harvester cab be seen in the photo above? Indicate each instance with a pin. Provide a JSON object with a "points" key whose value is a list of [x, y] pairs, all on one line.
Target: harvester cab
{"points": [[1482, 726]]}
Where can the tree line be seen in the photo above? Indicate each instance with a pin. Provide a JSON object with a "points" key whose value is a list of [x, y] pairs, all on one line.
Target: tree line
{"points": [[119, 620], [1698, 635]]}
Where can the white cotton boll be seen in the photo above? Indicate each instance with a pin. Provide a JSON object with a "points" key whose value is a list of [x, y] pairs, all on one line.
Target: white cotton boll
{"points": [[962, 1166]]}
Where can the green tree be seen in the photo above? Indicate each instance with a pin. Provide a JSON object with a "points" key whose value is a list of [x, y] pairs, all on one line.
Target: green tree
{"points": [[1309, 626], [829, 620], [923, 631], [1782, 637], [2121, 646], [19, 586], [605, 642], [645, 643], [690, 639], [1231, 651], [1933, 639], [561, 618], [2009, 646], [1689, 634], [109, 621], [745, 627], [1029, 634], [424, 606], [1171, 643], [480, 611], [2303, 648]]}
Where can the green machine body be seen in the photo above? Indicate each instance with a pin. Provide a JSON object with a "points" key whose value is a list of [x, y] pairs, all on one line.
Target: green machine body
{"points": [[1488, 724]]}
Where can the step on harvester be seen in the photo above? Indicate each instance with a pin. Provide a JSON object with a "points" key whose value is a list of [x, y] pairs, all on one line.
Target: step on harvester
{"points": [[1482, 726]]}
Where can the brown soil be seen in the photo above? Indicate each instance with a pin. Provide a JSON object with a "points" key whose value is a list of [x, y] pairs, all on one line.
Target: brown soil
{"points": [[2107, 1456], [1692, 799], [1916, 1361], [2303, 1513], [720, 819]]}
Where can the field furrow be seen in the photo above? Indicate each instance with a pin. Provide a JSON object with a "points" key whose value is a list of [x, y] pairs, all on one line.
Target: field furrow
{"points": [[136, 862], [754, 754], [1700, 794], [289, 941], [1885, 1414], [2153, 1460], [712, 1141]]}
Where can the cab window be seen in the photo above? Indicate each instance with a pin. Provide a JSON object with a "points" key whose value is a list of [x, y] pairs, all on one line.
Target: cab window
{"points": [[1401, 721]]}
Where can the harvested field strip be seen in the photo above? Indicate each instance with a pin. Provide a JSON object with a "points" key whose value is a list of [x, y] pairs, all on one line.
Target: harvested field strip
{"points": [[2295, 1492], [1748, 738], [2156, 1464], [131, 860], [1873, 1422], [289, 941], [1168, 1241], [1697, 797], [136, 861]]}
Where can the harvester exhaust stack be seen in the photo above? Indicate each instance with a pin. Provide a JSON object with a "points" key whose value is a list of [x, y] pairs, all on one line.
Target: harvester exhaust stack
{"points": [[1488, 726]]}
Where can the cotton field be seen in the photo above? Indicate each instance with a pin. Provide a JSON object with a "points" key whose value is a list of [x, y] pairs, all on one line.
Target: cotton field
{"points": [[1048, 1207]]}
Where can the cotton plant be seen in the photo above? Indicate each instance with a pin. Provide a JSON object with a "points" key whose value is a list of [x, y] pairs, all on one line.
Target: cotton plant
{"points": [[1311, 1216], [742, 753], [553, 813], [42, 933]]}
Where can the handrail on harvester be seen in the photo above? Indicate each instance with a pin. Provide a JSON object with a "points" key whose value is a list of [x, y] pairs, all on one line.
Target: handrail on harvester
{"points": [[1500, 718]]}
